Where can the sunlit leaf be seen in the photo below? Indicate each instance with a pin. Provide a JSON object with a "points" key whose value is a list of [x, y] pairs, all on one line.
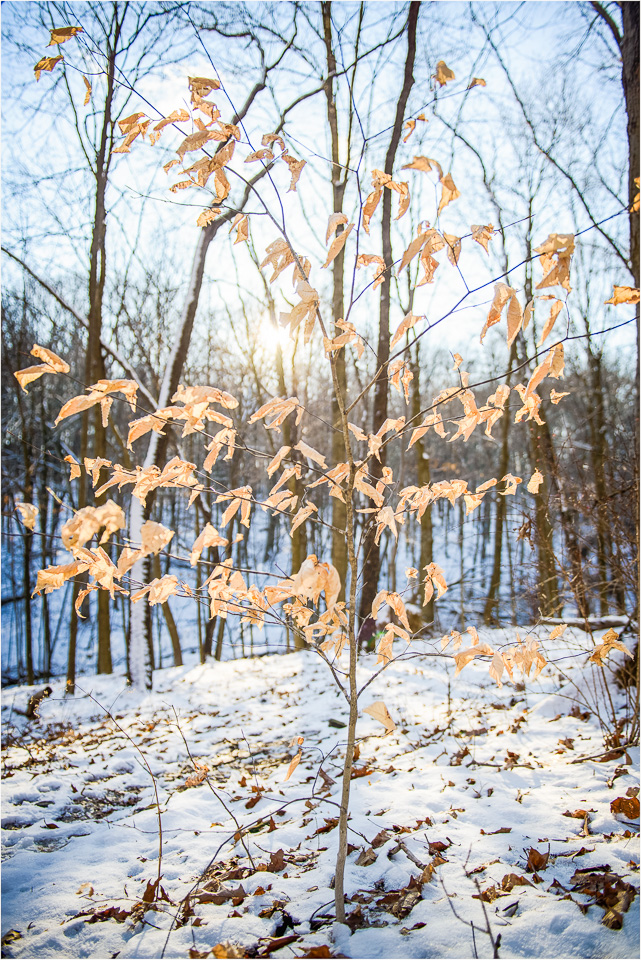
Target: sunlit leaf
{"points": [[443, 73], [624, 295], [46, 63], [28, 514], [379, 712]]}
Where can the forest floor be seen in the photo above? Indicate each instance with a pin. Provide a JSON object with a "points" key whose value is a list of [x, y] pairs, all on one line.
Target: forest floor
{"points": [[487, 813]]}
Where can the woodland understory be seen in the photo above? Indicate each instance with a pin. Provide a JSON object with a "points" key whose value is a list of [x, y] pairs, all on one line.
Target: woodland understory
{"points": [[320, 479]]}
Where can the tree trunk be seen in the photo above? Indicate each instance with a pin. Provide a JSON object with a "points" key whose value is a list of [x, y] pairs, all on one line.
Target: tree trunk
{"points": [[371, 550]]}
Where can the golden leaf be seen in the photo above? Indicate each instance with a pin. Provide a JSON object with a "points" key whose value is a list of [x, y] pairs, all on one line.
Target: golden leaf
{"points": [[292, 766], [302, 516], [87, 92], [52, 578], [28, 514], [159, 590], [264, 154], [555, 310], [514, 319], [609, 641], [425, 164], [477, 82], [453, 248], [337, 245], [379, 712], [270, 138], [62, 34], [47, 63], [410, 127], [448, 193], [202, 86], [335, 220], [369, 207], [502, 294], [194, 142], [535, 481], [207, 216], [154, 536], [311, 454], [52, 364], [558, 631], [74, 470], [482, 234], [435, 573], [624, 295], [512, 483], [406, 324], [295, 168], [555, 396], [241, 225], [443, 73]]}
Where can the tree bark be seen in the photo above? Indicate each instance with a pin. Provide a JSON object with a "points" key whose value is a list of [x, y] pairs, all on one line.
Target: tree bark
{"points": [[371, 550]]}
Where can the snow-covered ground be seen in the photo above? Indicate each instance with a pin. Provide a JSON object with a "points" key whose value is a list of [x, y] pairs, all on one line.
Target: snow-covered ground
{"points": [[446, 808]]}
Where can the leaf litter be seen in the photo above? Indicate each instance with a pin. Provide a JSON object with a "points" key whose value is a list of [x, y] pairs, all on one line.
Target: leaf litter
{"points": [[472, 806]]}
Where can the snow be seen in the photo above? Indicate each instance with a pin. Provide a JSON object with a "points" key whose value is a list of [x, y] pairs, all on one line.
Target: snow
{"points": [[79, 809]]}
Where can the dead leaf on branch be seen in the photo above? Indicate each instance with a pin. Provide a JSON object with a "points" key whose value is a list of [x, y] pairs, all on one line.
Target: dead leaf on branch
{"points": [[52, 364], [46, 63], [609, 641], [379, 712], [28, 514], [624, 295], [443, 74]]}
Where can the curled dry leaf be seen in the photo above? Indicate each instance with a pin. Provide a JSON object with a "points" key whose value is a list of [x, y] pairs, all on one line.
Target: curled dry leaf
{"points": [[425, 164], [406, 324], [609, 641], [502, 294], [555, 310], [52, 364], [159, 590], [295, 168], [264, 154], [202, 87], [207, 216], [379, 712], [453, 248], [302, 516], [62, 34], [555, 396], [482, 234], [74, 469], [46, 63], [337, 245], [535, 481], [443, 74], [293, 764], [270, 138], [558, 631], [311, 454], [624, 295], [449, 192], [477, 82], [28, 514], [365, 259], [335, 220], [512, 483]]}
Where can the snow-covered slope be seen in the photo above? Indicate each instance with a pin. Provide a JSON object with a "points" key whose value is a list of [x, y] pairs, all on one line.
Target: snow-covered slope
{"points": [[444, 809]]}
